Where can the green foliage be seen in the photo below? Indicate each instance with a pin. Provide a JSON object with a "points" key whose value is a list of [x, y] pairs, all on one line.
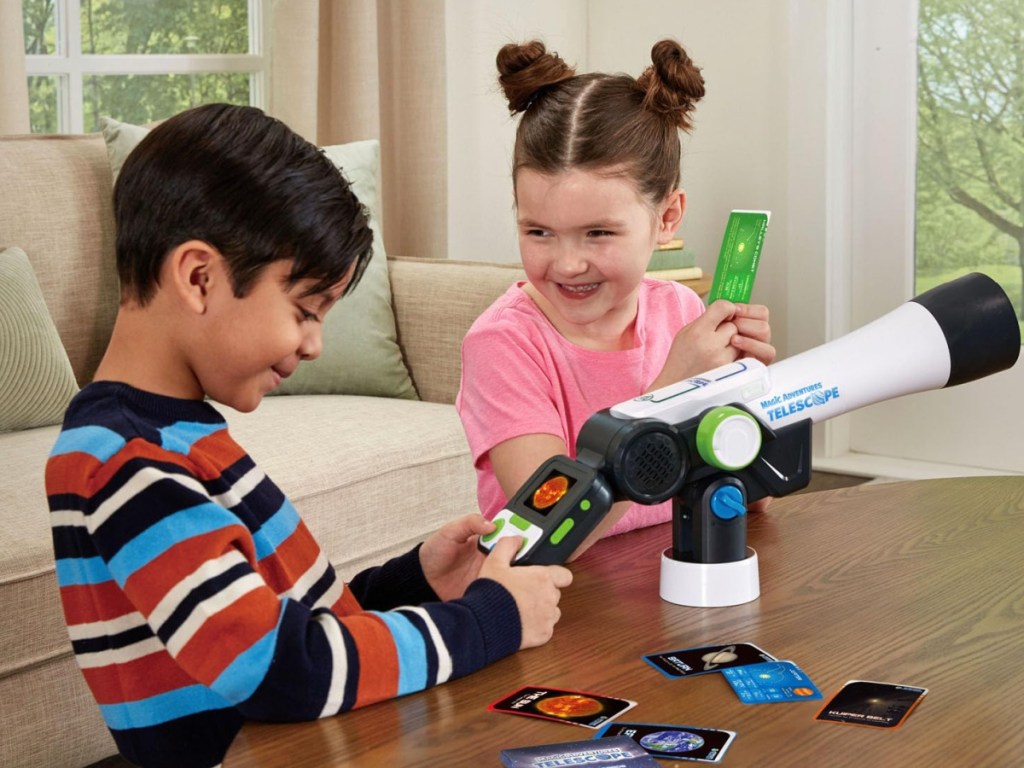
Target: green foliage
{"points": [[39, 26], [146, 98], [970, 192], [42, 104], [140, 27], [165, 26]]}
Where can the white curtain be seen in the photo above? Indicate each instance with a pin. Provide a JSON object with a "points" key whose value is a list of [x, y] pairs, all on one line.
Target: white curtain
{"points": [[13, 83], [344, 70]]}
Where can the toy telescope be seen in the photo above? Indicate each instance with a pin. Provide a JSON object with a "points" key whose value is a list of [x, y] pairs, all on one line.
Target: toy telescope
{"points": [[741, 432]]}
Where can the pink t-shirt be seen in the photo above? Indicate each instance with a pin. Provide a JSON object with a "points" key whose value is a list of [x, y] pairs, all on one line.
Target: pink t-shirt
{"points": [[520, 376]]}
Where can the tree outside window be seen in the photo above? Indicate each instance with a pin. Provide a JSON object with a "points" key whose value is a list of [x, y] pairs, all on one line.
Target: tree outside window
{"points": [[138, 60], [970, 158]]}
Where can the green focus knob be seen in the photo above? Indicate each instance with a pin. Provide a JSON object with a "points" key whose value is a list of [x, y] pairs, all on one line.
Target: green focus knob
{"points": [[728, 438]]}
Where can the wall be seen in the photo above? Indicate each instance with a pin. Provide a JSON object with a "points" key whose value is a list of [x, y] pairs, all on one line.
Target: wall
{"points": [[481, 220]]}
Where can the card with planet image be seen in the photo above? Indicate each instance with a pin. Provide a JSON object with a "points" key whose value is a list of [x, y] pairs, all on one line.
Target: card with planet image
{"points": [[690, 662], [770, 682], [674, 742], [876, 705], [589, 710]]}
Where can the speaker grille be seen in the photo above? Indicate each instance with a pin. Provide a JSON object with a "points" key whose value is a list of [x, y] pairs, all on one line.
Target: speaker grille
{"points": [[652, 465]]}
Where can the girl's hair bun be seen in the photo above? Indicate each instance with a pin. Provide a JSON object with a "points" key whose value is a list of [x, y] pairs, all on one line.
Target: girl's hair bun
{"points": [[673, 84], [525, 69]]}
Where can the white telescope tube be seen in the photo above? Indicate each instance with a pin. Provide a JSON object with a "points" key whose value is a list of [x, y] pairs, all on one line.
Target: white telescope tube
{"points": [[957, 332]]}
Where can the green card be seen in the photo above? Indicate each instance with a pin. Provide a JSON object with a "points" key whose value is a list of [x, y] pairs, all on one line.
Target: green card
{"points": [[739, 256]]}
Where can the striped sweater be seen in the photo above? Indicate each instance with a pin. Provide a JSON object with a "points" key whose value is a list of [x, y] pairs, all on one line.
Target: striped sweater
{"points": [[196, 598]]}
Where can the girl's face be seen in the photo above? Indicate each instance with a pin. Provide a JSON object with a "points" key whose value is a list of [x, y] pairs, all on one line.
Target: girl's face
{"points": [[585, 239]]}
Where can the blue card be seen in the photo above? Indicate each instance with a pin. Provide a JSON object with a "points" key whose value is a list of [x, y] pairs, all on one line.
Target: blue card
{"points": [[770, 682]]}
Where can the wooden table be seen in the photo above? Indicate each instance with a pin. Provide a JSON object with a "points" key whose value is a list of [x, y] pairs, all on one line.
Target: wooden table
{"points": [[919, 583]]}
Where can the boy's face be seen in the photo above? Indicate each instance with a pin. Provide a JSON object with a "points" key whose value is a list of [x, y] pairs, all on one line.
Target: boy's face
{"points": [[585, 241], [252, 343]]}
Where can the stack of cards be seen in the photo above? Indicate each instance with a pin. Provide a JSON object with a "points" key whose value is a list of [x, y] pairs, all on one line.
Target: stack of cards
{"points": [[618, 752]]}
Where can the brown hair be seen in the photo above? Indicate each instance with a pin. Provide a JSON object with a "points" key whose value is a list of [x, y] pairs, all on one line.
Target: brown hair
{"points": [[601, 122]]}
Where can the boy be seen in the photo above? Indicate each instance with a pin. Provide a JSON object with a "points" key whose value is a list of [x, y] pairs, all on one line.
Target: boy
{"points": [[194, 595]]}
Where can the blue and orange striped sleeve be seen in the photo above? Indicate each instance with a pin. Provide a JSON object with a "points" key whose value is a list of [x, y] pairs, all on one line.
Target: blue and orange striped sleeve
{"points": [[178, 590]]}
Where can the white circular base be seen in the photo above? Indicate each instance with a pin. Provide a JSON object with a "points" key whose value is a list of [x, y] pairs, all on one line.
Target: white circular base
{"points": [[709, 585]]}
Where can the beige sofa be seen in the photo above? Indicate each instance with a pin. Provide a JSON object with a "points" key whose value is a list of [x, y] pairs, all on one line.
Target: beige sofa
{"points": [[370, 475]]}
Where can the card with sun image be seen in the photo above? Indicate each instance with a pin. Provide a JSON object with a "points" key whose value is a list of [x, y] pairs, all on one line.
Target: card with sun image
{"points": [[589, 710], [690, 662], [877, 705]]}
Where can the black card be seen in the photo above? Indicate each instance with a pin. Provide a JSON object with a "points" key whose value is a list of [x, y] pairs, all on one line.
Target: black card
{"points": [[708, 658], [877, 705], [674, 742]]}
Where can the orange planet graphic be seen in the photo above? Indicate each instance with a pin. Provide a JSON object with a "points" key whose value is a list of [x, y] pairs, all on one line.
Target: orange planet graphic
{"points": [[803, 692], [550, 492], [570, 706]]}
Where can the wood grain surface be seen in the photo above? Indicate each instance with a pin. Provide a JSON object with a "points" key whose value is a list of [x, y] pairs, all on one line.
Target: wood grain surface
{"points": [[918, 583]]}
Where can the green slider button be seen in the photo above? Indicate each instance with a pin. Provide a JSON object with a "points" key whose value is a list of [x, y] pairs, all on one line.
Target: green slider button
{"points": [[562, 530], [520, 523]]}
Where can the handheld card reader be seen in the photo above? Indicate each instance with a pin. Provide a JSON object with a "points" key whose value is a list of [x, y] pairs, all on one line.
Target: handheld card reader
{"points": [[553, 511]]}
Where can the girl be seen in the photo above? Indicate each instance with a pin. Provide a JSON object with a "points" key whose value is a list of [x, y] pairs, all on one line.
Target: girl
{"points": [[596, 182]]}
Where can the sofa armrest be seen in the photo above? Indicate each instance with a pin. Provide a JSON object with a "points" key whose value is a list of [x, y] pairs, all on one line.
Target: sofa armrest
{"points": [[435, 303]]}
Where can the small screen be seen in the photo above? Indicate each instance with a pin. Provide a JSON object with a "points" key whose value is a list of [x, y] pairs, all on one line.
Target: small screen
{"points": [[550, 492]]}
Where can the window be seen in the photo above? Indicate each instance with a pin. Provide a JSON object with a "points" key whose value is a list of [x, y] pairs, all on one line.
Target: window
{"points": [[910, 231], [970, 144], [139, 60]]}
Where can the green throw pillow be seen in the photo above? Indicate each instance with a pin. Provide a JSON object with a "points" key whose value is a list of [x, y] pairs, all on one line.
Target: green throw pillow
{"points": [[36, 379], [360, 354]]}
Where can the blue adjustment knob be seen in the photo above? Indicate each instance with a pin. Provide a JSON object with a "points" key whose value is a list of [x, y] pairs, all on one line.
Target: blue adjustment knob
{"points": [[727, 502]]}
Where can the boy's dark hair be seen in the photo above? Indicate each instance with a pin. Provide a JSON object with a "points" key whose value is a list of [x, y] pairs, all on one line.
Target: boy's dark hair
{"points": [[246, 184], [600, 122]]}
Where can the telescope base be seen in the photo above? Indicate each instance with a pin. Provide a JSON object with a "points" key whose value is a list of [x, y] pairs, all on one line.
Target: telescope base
{"points": [[709, 585]]}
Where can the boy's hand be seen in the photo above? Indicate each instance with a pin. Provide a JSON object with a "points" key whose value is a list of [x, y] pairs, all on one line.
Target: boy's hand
{"points": [[724, 334], [449, 557], [536, 589]]}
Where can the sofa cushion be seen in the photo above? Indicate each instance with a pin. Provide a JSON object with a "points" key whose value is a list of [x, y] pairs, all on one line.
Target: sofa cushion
{"points": [[360, 346], [120, 139], [56, 206], [36, 380], [432, 349], [417, 476], [362, 505]]}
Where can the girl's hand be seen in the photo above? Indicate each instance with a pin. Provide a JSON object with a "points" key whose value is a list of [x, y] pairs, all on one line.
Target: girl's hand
{"points": [[753, 333], [450, 558], [725, 333]]}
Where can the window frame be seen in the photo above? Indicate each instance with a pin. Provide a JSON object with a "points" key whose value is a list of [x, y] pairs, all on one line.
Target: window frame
{"points": [[70, 66]]}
